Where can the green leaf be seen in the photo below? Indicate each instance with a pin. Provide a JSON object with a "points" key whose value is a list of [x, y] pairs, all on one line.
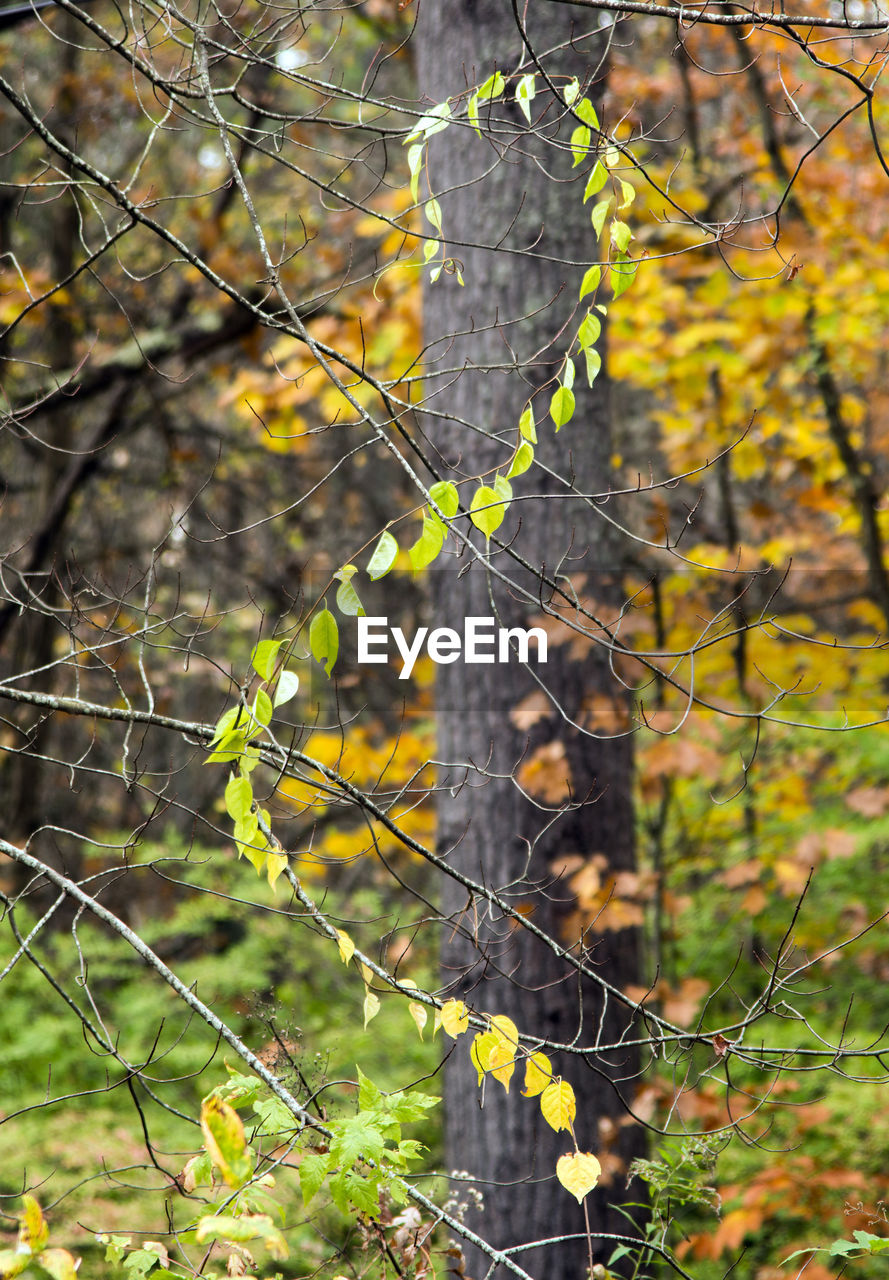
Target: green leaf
{"points": [[430, 249], [238, 798], [356, 1136], [623, 273], [486, 510], [571, 90], [524, 456], [264, 657], [369, 1095], [446, 498], [435, 520], [371, 1007], [599, 214], [350, 1188], [596, 181], [864, 1242], [118, 1245], [397, 1192], [256, 853], [627, 194], [798, 1253], [411, 1105], [593, 364], [407, 1151], [140, 1262], [561, 407], [525, 93], [415, 165], [590, 282], [262, 709], [383, 557], [239, 1089], [580, 143], [429, 543], [234, 718], [871, 1243], [274, 1117], [312, 1172], [288, 683], [247, 828], [347, 600], [843, 1248], [492, 88], [589, 331], [527, 427], [324, 639], [568, 374], [249, 1226], [472, 113], [622, 1251], [432, 209], [586, 112], [230, 746], [503, 488], [431, 123], [621, 235]]}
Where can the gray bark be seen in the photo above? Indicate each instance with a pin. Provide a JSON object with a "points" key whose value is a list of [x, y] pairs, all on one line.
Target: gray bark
{"points": [[521, 195]]}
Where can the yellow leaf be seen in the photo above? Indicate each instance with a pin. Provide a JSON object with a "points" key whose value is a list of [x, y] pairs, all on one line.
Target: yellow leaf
{"points": [[59, 1264], [505, 1028], [578, 1173], [501, 1062], [480, 1052], [419, 1015], [454, 1017], [33, 1230], [371, 1007], [558, 1105], [346, 946], [538, 1074], [367, 974], [276, 864], [226, 1141]]}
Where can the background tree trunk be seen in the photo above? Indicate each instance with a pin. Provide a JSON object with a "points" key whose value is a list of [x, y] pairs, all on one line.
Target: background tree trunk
{"points": [[534, 851]]}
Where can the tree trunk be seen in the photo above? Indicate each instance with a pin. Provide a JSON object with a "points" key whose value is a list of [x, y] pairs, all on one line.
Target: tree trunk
{"points": [[530, 805]]}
